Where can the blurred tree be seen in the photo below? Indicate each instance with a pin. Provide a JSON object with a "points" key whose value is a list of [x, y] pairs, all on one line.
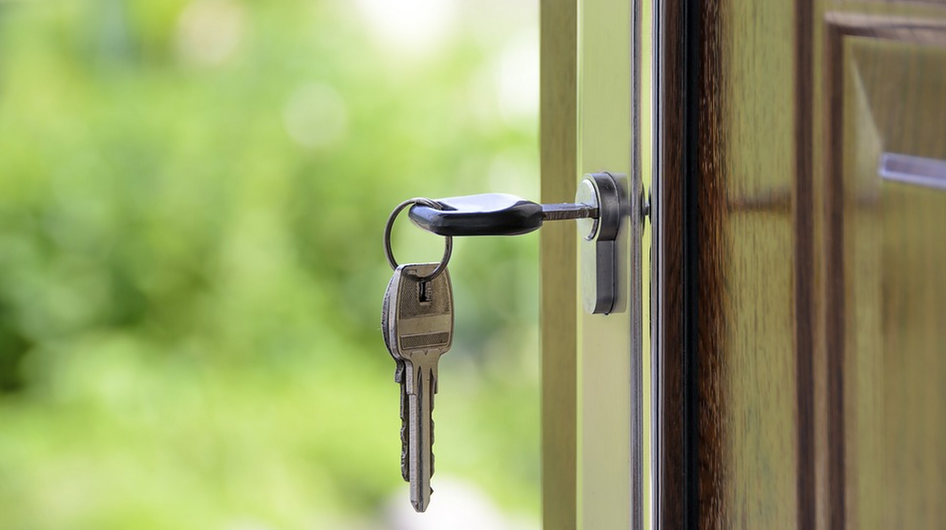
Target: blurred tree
{"points": [[191, 202]]}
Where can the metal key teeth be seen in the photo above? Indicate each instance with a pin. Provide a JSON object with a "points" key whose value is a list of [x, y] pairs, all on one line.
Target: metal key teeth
{"points": [[405, 465], [405, 453], [399, 372], [432, 429], [399, 378]]}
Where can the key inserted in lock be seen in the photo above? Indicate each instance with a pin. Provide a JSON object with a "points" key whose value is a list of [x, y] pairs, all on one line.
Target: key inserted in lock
{"points": [[493, 214], [598, 207]]}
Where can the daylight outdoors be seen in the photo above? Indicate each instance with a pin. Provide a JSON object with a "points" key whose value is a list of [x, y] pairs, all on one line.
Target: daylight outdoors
{"points": [[192, 197]]}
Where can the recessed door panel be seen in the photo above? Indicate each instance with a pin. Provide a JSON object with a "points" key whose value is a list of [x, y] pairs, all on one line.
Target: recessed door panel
{"points": [[888, 185]]}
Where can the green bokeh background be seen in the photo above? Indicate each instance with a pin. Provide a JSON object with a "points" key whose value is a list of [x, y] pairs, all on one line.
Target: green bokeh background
{"points": [[192, 196]]}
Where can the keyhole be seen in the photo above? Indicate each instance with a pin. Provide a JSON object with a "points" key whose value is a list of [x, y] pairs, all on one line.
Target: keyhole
{"points": [[423, 292]]}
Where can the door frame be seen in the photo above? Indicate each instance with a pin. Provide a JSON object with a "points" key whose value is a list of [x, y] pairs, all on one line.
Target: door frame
{"points": [[593, 463]]}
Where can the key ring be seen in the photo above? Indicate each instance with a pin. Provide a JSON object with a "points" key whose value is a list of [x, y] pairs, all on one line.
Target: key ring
{"points": [[448, 240]]}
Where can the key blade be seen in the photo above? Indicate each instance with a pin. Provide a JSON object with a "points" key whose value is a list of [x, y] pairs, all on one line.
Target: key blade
{"points": [[566, 211], [421, 437]]}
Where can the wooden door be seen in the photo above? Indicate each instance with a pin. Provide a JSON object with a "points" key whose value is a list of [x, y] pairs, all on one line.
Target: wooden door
{"points": [[800, 213]]}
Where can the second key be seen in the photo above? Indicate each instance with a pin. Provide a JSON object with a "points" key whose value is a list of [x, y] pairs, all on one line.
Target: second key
{"points": [[420, 331]]}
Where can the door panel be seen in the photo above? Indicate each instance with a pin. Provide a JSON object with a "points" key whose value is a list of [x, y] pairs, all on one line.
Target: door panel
{"points": [[889, 91]]}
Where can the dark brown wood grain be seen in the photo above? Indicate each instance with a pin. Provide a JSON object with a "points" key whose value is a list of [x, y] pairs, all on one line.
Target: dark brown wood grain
{"points": [[673, 505], [733, 455], [708, 182]]}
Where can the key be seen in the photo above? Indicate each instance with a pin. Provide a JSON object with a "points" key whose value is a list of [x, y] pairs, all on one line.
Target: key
{"points": [[419, 330], [494, 214], [399, 371]]}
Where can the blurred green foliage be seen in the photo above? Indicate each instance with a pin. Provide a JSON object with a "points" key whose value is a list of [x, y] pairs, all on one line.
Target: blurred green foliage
{"points": [[191, 201]]}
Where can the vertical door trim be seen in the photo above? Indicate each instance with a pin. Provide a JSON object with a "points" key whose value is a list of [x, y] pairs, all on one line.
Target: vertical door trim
{"points": [[674, 309], [558, 21], [592, 412], [804, 269]]}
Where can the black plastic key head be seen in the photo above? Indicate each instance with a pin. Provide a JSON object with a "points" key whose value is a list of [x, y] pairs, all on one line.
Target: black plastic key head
{"points": [[489, 214]]}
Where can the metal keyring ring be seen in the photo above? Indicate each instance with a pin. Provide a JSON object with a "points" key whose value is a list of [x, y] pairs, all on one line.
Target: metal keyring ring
{"points": [[448, 240]]}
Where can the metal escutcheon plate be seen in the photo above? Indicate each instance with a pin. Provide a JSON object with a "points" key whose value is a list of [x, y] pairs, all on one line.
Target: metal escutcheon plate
{"points": [[598, 252]]}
